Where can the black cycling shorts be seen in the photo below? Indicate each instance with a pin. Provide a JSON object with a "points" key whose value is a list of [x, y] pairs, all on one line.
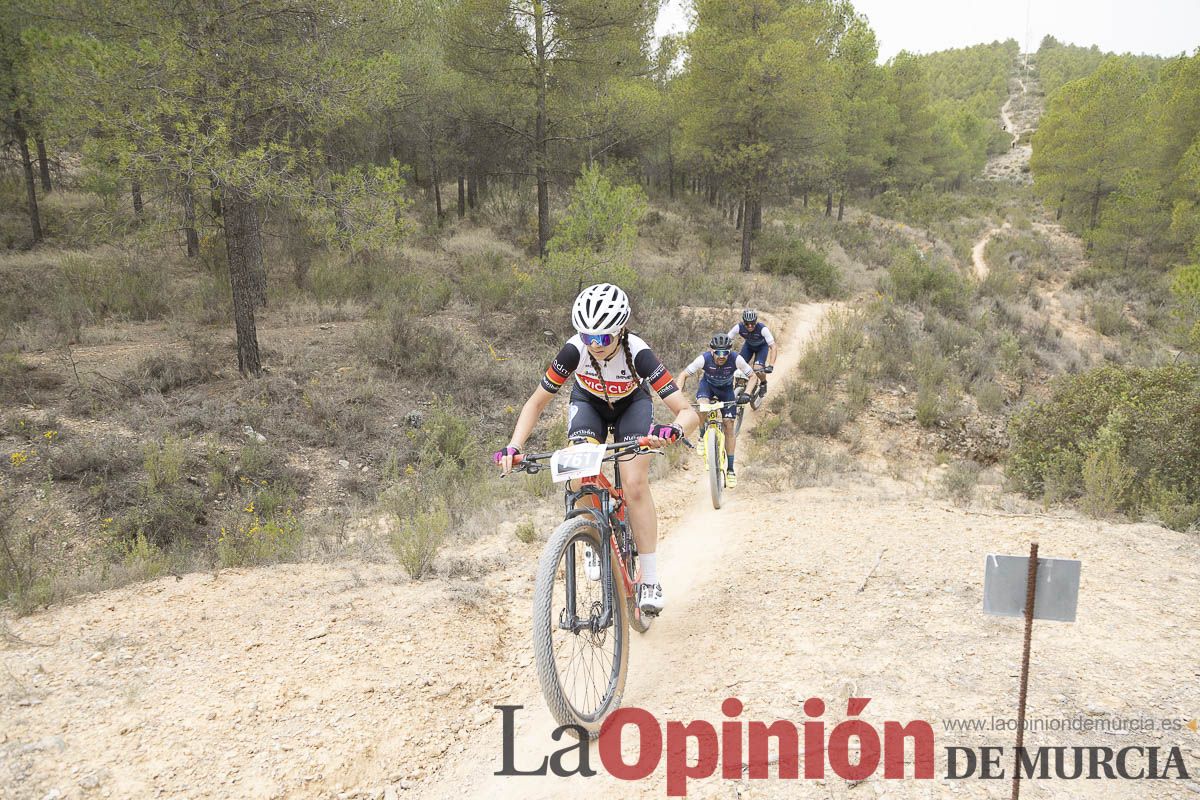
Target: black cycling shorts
{"points": [[590, 418]]}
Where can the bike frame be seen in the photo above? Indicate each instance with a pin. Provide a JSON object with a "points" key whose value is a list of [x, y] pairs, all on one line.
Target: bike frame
{"points": [[609, 506]]}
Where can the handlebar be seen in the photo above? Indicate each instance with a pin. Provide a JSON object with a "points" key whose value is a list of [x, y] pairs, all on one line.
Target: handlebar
{"points": [[529, 462], [721, 404]]}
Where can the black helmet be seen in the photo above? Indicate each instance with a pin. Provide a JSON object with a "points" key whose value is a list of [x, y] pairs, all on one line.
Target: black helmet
{"points": [[749, 315], [720, 341]]}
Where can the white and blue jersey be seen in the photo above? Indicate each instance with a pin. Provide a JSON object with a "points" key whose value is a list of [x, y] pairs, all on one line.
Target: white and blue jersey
{"points": [[716, 380], [757, 341]]}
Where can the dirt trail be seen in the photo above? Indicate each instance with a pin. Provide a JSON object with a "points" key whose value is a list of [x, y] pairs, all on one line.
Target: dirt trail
{"points": [[349, 681], [1013, 165], [1006, 119], [694, 551], [978, 262]]}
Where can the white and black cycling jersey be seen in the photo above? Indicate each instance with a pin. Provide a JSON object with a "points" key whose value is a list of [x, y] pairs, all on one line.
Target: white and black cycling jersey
{"points": [[617, 378]]}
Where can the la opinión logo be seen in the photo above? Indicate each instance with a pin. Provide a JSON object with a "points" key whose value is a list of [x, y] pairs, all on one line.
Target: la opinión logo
{"points": [[738, 748]]}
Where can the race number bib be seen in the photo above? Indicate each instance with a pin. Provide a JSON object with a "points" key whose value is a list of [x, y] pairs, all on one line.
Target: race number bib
{"points": [[577, 461]]}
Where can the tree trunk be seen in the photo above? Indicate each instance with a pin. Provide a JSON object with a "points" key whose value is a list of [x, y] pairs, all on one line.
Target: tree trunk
{"points": [[135, 187], [670, 167], [740, 213], [437, 188], [43, 163], [481, 186], [756, 217], [472, 191], [462, 196], [189, 221], [841, 205], [1095, 217], [35, 218], [540, 149], [829, 203], [746, 234], [806, 198], [243, 246]]}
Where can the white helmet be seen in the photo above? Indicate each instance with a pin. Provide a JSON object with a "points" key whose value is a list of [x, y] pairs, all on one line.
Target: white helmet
{"points": [[602, 308]]}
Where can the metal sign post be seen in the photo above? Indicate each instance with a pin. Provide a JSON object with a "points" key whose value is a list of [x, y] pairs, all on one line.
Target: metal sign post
{"points": [[1005, 595]]}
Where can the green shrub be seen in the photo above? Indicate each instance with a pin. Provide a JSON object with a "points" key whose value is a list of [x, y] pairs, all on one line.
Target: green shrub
{"points": [[783, 255], [1107, 479], [1172, 506], [416, 540], [1107, 316], [526, 532], [250, 537], [25, 580], [928, 281], [163, 462], [816, 413], [959, 481], [397, 339], [838, 343], [487, 281], [1112, 433], [989, 396]]}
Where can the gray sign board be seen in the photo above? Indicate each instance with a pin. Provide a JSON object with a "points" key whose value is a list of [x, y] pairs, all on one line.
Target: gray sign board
{"points": [[1057, 587]]}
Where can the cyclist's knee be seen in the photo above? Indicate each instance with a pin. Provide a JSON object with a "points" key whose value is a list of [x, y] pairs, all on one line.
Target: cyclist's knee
{"points": [[636, 488]]}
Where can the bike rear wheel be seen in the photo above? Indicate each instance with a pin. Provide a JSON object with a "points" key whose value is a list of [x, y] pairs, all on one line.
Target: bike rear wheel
{"points": [[582, 671], [716, 480]]}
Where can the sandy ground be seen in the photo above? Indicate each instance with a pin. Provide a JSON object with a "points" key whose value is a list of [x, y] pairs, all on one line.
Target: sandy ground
{"points": [[351, 681], [978, 263]]}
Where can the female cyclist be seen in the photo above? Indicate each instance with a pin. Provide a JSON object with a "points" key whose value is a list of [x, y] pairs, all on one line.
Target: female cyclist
{"points": [[611, 368]]}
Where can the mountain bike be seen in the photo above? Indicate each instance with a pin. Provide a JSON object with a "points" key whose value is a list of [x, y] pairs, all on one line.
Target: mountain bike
{"points": [[581, 621], [756, 398], [712, 436]]}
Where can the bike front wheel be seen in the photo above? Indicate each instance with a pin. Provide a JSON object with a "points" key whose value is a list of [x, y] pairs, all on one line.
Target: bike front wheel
{"points": [[716, 478], [582, 660]]}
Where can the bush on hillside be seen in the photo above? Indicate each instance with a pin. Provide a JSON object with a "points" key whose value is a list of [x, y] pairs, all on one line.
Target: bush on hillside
{"points": [[1126, 438], [784, 255]]}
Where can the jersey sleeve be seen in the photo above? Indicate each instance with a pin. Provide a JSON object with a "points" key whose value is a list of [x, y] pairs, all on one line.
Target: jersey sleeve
{"points": [[695, 366], [733, 332], [744, 369], [767, 335], [651, 368], [560, 368]]}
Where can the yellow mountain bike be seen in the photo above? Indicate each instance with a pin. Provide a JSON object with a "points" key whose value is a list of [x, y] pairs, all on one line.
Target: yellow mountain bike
{"points": [[712, 438]]}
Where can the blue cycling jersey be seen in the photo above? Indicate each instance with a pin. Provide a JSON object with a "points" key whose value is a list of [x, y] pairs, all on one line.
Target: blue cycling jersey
{"points": [[719, 374], [754, 338]]}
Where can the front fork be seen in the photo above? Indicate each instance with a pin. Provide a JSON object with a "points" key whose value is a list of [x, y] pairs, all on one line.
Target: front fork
{"points": [[570, 618]]}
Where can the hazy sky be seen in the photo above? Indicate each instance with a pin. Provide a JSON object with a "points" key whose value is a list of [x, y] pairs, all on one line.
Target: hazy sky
{"points": [[1163, 27]]}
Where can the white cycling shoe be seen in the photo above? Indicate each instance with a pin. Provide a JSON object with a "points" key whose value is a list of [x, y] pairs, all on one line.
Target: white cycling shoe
{"points": [[651, 599], [591, 563]]}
